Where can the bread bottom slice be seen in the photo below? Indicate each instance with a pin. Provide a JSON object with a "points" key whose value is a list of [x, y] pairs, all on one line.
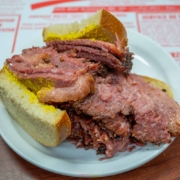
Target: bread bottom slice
{"points": [[159, 84], [44, 123]]}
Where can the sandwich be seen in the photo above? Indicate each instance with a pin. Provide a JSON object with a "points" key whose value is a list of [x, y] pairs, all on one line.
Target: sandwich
{"points": [[79, 87]]}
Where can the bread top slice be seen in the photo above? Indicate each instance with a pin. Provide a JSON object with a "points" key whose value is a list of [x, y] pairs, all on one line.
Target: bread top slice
{"points": [[100, 26], [45, 123]]}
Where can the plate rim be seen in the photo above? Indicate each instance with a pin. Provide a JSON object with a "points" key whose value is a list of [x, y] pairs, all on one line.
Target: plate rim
{"points": [[156, 153]]}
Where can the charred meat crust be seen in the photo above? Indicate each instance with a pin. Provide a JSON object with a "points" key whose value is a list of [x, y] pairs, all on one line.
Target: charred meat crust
{"points": [[98, 51]]}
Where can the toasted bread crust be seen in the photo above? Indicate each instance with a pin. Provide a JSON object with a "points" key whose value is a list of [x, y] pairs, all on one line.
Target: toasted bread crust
{"points": [[100, 26]]}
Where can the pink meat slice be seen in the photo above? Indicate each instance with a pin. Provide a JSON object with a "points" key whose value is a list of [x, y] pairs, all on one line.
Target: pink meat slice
{"points": [[156, 115], [72, 77], [92, 135], [82, 87], [97, 51]]}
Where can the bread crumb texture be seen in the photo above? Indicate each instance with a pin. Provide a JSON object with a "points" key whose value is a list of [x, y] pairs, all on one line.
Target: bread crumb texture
{"points": [[32, 98], [45, 123], [92, 31]]}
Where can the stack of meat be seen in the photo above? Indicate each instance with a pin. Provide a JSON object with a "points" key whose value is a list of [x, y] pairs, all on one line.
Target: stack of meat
{"points": [[110, 108]]}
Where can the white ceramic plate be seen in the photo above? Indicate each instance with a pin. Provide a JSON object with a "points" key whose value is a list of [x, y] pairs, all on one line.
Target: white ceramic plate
{"points": [[66, 159]]}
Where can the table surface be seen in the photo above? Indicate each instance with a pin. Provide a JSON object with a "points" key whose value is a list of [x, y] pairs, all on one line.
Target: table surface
{"points": [[166, 167]]}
